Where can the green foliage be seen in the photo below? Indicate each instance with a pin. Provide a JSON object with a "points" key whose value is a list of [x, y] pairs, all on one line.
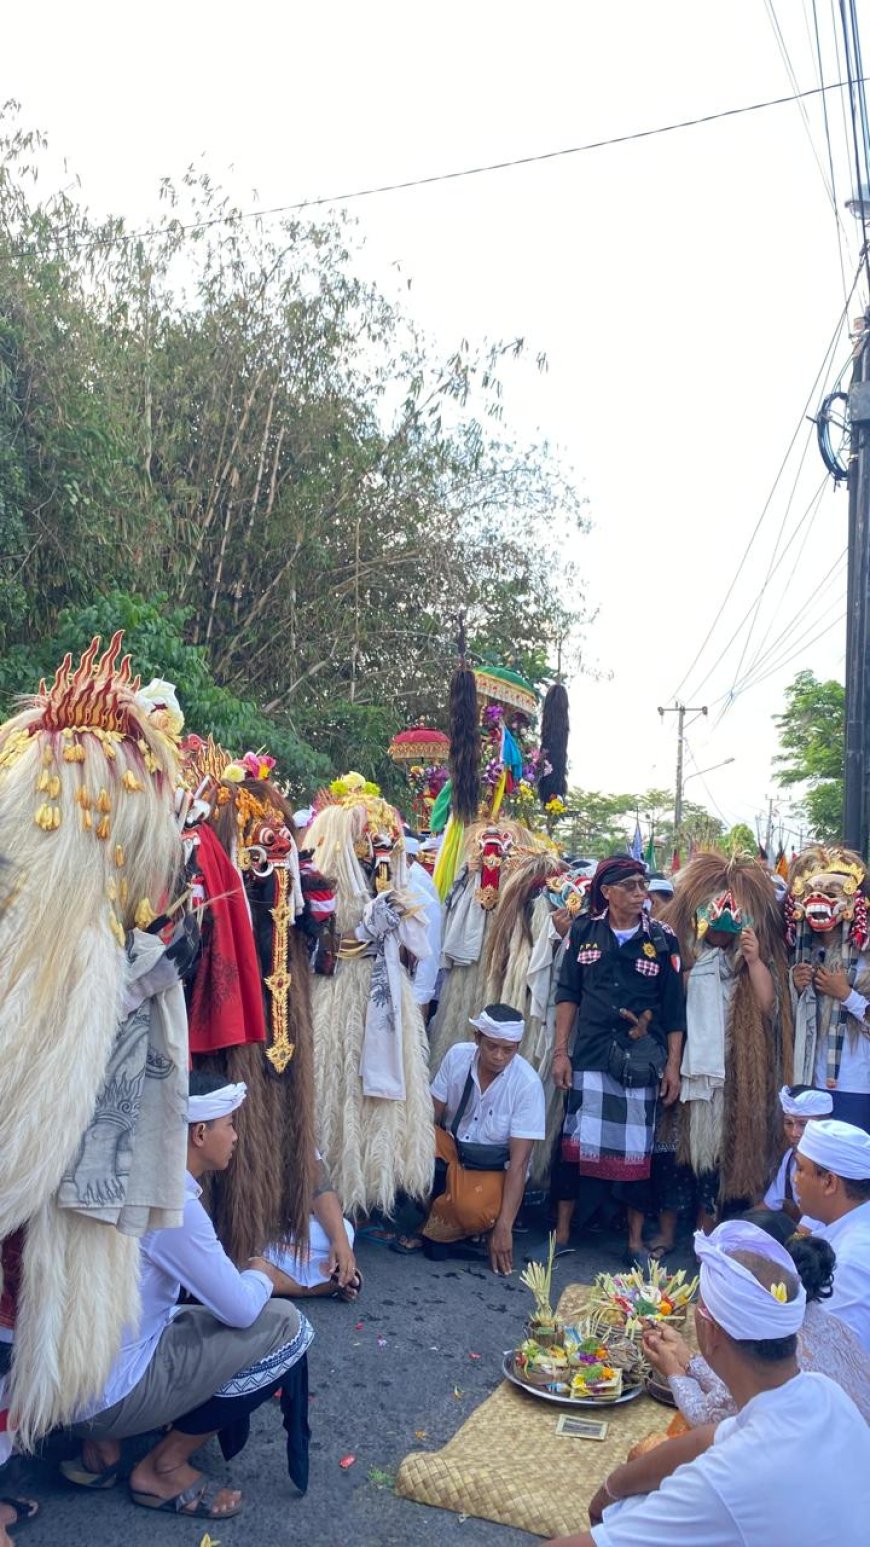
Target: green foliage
{"points": [[812, 741], [740, 839], [598, 824], [229, 416]]}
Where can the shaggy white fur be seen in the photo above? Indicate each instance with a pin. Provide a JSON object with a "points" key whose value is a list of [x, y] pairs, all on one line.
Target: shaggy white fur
{"points": [[372, 1148]]}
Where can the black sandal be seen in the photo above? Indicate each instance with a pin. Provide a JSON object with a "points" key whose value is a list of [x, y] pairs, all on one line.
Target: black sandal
{"points": [[25, 1511]]}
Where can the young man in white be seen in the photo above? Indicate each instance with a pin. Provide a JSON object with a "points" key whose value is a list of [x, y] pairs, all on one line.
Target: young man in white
{"points": [[793, 1465], [832, 1181], [200, 1368]]}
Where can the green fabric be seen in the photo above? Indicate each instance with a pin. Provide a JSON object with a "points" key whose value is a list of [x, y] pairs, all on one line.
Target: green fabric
{"points": [[441, 809], [650, 855]]}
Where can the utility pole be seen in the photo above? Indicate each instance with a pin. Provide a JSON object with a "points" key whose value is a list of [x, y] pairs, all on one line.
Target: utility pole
{"points": [[680, 710], [857, 765]]}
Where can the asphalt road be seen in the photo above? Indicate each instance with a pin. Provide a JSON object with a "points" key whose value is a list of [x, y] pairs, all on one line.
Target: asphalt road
{"points": [[403, 1380]]}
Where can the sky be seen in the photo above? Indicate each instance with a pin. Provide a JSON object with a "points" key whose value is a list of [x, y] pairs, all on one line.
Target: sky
{"points": [[685, 288]]}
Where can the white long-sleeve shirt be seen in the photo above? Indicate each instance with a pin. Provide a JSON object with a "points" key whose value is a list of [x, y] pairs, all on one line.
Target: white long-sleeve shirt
{"points": [[425, 894], [850, 1239], [191, 1258]]}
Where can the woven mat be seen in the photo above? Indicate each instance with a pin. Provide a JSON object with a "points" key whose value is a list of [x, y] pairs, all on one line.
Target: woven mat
{"points": [[507, 1463]]}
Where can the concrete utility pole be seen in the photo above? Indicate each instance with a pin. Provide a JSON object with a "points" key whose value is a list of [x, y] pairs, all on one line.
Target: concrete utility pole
{"points": [[856, 827], [680, 710]]}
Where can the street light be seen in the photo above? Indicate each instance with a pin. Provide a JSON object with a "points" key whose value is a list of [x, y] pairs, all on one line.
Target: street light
{"points": [[700, 771]]}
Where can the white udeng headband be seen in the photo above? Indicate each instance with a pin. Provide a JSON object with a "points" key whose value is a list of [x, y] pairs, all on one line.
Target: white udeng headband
{"points": [[503, 1031], [218, 1103], [734, 1297], [840, 1148], [810, 1103]]}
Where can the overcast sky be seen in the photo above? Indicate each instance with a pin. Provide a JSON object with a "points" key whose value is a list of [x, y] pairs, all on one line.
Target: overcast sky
{"points": [[685, 288]]}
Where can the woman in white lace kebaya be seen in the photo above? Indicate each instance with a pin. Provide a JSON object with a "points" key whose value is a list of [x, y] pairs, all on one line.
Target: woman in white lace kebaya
{"points": [[825, 1344]]}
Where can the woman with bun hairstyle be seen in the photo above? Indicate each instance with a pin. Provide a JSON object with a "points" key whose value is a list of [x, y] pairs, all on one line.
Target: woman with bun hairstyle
{"points": [[825, 1344]]}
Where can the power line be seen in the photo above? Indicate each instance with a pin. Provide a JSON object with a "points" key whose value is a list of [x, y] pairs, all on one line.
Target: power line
{"points": [[767, 504], [827, 126], [792, 75], [234, 217], [850, 44]]}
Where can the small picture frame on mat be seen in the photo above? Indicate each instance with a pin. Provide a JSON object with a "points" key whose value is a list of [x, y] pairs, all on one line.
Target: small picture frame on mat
{"points": [[571, 1428]]}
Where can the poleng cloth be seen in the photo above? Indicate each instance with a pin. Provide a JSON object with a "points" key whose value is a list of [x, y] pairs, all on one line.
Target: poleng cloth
{"points": [[226, 1005], [471, 1200], [609, 1128]]}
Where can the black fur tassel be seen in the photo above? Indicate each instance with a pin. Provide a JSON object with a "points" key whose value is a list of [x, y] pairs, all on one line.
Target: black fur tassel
{"points": [[555, 725], [464, 745]]}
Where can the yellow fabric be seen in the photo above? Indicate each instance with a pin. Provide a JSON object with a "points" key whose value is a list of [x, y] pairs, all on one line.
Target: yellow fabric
{"points": [[498, 794], [507, 1463], [448, 859], [471, 1200]]}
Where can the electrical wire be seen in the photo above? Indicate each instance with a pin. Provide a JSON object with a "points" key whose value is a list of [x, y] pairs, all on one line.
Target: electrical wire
{"points": [[850, 44], [827, 128], [235, 217], [793, 81], [811, 397], [815, 506]]}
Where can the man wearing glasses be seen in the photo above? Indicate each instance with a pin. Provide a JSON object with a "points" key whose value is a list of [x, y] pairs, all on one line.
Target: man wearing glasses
{"points": [[620, 985]]}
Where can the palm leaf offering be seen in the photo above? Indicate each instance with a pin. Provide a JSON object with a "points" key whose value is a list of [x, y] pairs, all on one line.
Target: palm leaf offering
{"points": [[591, 1361], [629, 1300], [539, 1280]]}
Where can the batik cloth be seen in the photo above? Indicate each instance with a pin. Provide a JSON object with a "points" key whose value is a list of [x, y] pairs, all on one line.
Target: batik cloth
{"points": [[609, 1128]]}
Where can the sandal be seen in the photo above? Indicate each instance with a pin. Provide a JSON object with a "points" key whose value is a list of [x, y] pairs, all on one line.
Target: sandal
{"points": [[76, 1472], [404, 1247], [25, 1511], [202, 1494]]}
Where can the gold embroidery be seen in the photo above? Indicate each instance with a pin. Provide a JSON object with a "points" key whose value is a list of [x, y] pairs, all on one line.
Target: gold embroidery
{"points": [[280, 978]]}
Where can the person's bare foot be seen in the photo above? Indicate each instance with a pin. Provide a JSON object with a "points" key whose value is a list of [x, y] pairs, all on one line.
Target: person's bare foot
{"points": [[146, 1478]]}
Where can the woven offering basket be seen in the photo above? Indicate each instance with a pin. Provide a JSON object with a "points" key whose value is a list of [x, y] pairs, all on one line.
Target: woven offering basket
{"points": [[507, 1463]]}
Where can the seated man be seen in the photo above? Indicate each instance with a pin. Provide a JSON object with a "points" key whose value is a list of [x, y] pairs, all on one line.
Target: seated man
{"points": [[800, 1104], [489, 1110], [329, 1266], [832, 1181], [713, 1485], [200, 1368]]}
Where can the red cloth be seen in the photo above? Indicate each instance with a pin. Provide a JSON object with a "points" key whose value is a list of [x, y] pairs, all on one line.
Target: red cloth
{"points": [[226, 1005]]}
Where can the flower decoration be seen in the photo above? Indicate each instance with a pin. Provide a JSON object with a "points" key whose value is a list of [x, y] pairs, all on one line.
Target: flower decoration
{"points": [[258, 765], [779, 1293]]}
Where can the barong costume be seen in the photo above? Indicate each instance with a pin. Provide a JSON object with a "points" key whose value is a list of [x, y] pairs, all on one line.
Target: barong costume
{"points": [[736, 1057], [826, 924], [374, 1110], [93, 1031], [258, 929]]}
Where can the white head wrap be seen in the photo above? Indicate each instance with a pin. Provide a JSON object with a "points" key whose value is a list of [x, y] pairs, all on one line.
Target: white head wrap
{"points": [[412, 844], [733, 1296], [837, 1147], [303, 818], [218, 1103], [810, 1103], [502, 1031]]}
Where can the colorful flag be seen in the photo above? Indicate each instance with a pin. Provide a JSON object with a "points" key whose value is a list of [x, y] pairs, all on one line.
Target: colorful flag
{"points": [[636, 849], [650, 855]]}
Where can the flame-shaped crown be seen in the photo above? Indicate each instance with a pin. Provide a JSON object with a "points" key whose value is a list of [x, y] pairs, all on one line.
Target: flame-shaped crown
{"points": [[98, 695]]}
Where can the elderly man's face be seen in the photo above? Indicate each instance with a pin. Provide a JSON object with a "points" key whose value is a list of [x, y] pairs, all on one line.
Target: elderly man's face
{"points": [[495, 1054], [626, 897]]}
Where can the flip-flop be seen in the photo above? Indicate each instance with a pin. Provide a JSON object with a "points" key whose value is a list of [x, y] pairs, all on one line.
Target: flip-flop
{"points": [[25, 1511], [402, 1250], [202, 1493], [76, 1472]]}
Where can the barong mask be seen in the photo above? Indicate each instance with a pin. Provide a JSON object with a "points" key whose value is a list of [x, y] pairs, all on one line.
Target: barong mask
{"points": [[494, 851], [722, 915], [826, 890]]}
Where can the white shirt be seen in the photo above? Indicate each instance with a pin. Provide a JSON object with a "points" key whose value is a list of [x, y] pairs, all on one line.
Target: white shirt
{"points": [[191, 1258], [792, 1469], [425, 894], [512, 1107], [854, 1073], [850, 1238]]}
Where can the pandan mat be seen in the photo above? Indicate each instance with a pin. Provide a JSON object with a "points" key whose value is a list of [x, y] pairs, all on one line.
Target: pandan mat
{"points": [[507, 1464]]}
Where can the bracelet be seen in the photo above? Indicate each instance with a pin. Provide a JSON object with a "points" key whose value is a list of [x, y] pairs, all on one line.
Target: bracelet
{"points": [[613, 1497]]}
